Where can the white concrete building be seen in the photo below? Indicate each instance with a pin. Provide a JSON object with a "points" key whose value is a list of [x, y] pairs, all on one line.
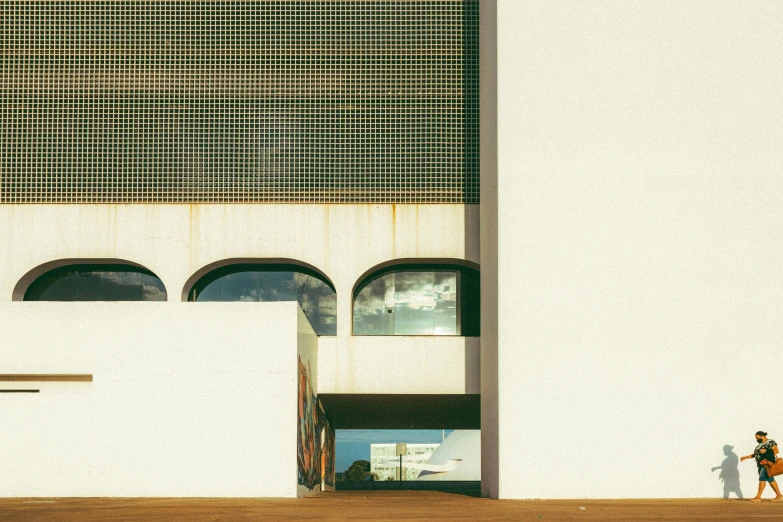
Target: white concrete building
{"points": [[384, 459], [458, 457], [626, 237], [173, 177]]}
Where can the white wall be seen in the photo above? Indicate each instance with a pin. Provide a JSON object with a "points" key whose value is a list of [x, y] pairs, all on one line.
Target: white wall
{"points": [[640, 187], [307, 347], [186, 400], [398, 364], [174, 241]]}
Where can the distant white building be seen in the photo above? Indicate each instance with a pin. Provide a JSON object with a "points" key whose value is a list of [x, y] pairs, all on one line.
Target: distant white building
{"points": [[381, 454], [458, 457]]}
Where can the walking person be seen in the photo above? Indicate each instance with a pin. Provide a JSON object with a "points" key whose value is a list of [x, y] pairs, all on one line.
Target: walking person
{"points": [[766, 451]]}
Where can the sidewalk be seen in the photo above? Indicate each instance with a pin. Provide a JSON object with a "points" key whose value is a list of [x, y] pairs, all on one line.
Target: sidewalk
{"points": [[383, 506]]}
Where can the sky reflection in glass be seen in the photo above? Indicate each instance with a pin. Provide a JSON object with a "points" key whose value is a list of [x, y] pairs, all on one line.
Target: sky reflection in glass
{"points": [[408, 303], [315, 297], [86, 283]]}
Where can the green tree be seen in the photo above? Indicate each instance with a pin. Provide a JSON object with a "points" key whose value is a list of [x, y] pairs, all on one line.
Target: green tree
{"points": [[359, 471]]}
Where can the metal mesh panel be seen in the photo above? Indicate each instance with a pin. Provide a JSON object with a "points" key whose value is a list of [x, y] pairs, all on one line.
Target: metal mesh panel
{"points": [[253, 101]]}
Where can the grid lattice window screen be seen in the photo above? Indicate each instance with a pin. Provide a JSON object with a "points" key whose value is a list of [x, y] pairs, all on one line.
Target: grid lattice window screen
{"points": [[239, 101]]}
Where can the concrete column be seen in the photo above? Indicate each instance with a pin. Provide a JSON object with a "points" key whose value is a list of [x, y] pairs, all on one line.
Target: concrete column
{"points": [[490, 456]]}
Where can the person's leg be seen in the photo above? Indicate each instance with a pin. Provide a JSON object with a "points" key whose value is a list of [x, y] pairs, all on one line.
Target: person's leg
{"points": [[763, 479], [775, 486], [762, 485]]}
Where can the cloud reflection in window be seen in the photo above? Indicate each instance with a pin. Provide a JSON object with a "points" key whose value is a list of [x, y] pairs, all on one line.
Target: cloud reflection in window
{"points": [[315, 297], [408, 303], [97, 283]]}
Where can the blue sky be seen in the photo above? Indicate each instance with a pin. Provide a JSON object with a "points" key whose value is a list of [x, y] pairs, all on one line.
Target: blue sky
{"points": [[352, 445]]}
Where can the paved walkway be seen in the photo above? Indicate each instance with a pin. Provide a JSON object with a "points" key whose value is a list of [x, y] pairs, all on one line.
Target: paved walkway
{"points": [[384, 506]]}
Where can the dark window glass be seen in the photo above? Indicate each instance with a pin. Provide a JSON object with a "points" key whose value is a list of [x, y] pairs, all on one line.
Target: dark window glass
{"points": [[262, 282], [97, 283], [415, 301]]}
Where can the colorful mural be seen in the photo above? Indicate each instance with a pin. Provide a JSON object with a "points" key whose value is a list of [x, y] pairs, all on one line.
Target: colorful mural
{"points": [[315, 436], [327, 449]]}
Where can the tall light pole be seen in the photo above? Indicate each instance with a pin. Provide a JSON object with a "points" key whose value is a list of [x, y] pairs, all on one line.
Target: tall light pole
{"points": [[402, 449]]}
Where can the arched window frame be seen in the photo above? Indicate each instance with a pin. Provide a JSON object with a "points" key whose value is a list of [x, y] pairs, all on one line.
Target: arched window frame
{"points": [[466, 285], [34, 281], [214, 271]]}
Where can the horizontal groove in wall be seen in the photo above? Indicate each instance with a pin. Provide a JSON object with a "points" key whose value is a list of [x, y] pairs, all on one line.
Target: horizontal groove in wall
{"points": [[45, 377]]}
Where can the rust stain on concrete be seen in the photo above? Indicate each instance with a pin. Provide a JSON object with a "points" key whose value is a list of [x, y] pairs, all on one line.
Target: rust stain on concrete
{"points": [[193, 227], [416, 229], [394, 230]]}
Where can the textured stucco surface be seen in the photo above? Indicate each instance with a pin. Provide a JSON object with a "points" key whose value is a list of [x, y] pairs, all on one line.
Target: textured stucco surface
{"points": [[639, 194], [185, 400]]}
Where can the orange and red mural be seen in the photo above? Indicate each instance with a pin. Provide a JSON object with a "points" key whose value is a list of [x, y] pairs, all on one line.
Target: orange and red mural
{"points": [[315, 436]]}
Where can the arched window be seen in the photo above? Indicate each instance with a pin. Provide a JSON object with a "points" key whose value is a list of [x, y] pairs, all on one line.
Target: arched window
{"points": [[97, 282], [273, 282], [409, 299]]}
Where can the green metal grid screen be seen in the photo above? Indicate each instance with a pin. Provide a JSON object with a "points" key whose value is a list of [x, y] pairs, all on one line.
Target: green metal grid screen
{"points": [[231, 102]]}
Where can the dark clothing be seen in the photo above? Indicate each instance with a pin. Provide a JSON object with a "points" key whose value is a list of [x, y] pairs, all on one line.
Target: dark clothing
{"points": [[764, 452]]}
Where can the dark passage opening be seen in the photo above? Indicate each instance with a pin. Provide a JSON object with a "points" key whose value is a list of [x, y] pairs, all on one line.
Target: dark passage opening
{"points": [[407, 442]]}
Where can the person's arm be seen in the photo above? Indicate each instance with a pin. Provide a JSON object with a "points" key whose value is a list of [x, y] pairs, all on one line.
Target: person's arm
{"points": [[747, 457]]}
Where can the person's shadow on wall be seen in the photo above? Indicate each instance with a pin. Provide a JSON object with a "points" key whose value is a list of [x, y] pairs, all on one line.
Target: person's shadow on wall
{"points": [[729, 472]]}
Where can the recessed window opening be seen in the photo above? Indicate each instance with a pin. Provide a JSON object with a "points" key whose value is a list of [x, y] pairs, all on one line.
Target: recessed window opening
{"points": [[255, 282], [418, 300], [408, 457], [97, 282]]}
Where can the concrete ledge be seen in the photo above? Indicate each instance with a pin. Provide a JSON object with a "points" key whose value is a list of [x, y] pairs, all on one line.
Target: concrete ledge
{"points": [[399, 364]]}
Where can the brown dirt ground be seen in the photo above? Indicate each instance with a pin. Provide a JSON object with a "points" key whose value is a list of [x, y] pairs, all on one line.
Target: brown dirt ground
{"points": [[382, 506]]}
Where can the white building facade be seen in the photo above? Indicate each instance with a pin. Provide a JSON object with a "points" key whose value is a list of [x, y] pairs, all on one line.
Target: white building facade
{"points": [[383, 457], [176, 180], [626, 239]]}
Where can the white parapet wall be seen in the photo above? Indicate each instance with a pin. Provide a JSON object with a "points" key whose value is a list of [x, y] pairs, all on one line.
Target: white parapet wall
{"points": [[185, 400]]}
